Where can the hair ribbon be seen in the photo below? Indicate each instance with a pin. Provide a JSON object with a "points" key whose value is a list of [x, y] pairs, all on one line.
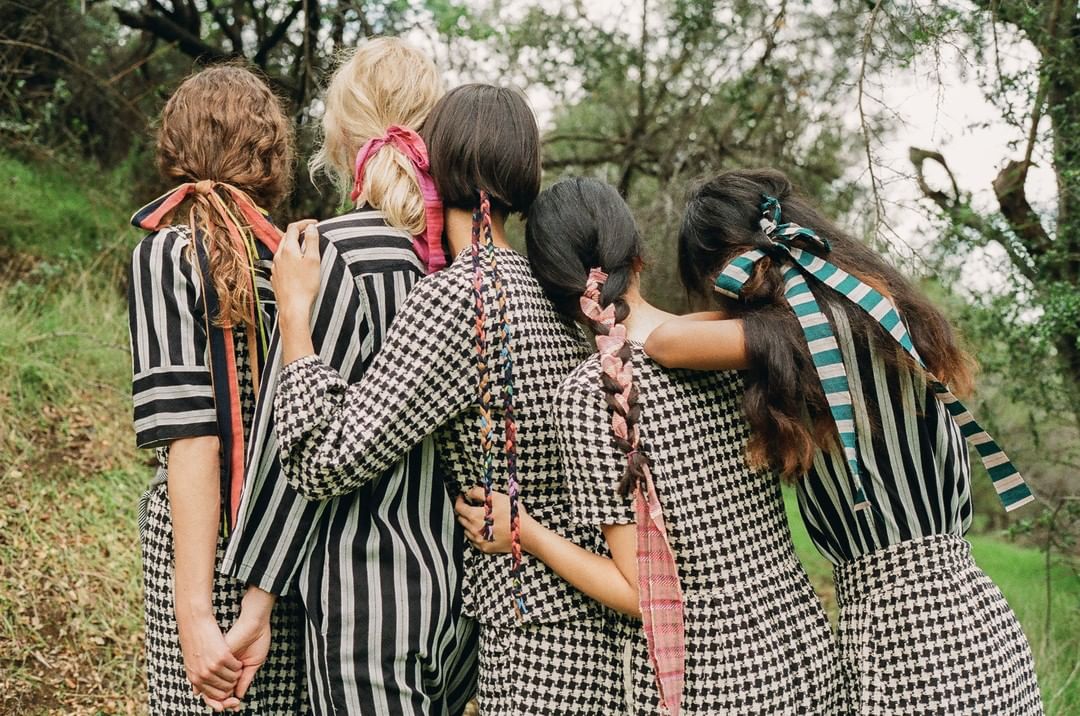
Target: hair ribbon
{"points": [[828, 359], [659, 590], [428, 246]]}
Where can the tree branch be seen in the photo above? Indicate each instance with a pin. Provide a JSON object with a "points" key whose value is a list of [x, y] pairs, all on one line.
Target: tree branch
{"points": [[1025, 223], [164, 28], [275, 37], [960, 213]]}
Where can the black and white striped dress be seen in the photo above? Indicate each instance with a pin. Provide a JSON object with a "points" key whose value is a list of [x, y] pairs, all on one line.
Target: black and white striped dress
{"points": [[561, 658], [757, 638], [173, 400], [378, 570], [923, 630]]}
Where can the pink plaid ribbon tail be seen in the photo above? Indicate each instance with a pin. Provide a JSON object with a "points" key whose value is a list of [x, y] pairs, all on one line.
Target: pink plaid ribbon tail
{"points": [[661, 598]]}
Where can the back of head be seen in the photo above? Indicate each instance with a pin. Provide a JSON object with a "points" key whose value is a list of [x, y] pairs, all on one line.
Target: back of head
{"points": [[385, 82], [484, 138], [722, 220], [223, 124], [576, 225]]}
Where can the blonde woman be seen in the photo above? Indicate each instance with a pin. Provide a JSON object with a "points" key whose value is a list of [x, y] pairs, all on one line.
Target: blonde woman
{"points": [[379, 570], [200, 304]]}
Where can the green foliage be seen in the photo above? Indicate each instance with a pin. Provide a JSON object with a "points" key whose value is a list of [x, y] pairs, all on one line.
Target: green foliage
{"points": [[60, 215]]}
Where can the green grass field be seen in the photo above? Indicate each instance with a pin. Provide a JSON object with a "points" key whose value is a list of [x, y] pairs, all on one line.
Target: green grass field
{"points": [[70, 595]]}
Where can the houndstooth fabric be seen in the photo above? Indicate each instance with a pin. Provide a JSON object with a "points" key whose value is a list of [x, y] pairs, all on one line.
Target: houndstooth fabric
{"points": [[571, 668], [923, 630], [334, 436], [757, 638], [278, 687]]}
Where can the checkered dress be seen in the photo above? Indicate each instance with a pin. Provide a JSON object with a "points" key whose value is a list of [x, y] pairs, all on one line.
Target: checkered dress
{"points": [[173, 399], [333, 437], [757, 637]]}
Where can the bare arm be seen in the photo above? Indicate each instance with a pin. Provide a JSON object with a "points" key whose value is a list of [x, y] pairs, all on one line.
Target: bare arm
{"points": [[610, 581], [195, 504], [699, 342]]}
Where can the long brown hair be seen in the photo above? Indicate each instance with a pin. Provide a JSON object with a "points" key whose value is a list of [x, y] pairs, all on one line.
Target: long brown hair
{"points": [[784, 402], [224, 124]]}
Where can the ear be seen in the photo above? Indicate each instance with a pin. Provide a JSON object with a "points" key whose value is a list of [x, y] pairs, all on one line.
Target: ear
{"points": [[638, 264]]}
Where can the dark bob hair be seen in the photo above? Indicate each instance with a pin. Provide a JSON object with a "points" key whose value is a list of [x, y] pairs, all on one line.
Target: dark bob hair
{"points": [[484, 138]]}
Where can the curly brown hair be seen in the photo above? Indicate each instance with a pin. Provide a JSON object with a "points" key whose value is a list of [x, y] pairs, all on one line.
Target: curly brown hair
{"points": [[784, 401], [224, 124]]}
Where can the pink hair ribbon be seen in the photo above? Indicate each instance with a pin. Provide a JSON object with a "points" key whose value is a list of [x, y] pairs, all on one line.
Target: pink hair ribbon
{"points": [[659, 590], [428, 246]]}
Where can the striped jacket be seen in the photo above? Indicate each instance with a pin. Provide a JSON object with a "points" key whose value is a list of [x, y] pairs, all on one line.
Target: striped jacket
{"points": [[378, 570]]}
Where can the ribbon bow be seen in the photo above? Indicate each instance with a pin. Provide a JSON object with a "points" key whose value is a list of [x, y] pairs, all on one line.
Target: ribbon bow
{"points": [[825, 352], [659, 591], [428, 246], [223, 364]]}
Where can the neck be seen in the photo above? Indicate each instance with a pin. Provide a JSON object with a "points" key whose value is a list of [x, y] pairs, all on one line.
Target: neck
{"points": [[644, 317], [458, 223]]}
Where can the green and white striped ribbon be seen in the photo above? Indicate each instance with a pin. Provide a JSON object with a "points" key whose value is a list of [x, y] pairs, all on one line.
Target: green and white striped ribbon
{"points": [[829, 361]]}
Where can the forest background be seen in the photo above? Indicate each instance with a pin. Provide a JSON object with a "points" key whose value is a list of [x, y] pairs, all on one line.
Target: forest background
{"points": [[945, 134]]}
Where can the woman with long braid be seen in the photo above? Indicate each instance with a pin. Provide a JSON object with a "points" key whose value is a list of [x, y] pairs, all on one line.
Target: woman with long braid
{"points": [[474, 357], [850, 394], [699, 543]]}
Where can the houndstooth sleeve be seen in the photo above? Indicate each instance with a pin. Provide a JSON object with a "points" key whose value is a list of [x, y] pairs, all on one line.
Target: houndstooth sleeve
{"points": [[592, 461], [334, 437]]}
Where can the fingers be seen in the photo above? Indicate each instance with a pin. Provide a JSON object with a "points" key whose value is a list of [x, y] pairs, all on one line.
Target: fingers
{"points": [[311, 247], [247, 675], [476, 493], [214, 686]]}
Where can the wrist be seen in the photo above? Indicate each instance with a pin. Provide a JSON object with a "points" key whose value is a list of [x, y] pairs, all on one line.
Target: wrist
{"points": [[194, 611], [257, 604], [294, 316], [530, 530]]}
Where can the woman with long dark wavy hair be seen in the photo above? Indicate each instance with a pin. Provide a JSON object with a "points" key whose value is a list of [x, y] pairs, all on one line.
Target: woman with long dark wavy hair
{"points": [[698, 539], [851, 394]]}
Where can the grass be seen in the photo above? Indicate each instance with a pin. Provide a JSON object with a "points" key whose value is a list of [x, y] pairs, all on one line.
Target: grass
{"points": [[1020, 573]]}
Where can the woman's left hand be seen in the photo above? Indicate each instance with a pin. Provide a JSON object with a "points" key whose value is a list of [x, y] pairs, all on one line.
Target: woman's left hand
{"points": [[295, 277], [472, 519]]}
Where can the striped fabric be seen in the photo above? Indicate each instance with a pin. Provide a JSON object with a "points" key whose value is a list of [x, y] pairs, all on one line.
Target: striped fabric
{"points": [[378, 570], [1009, 485]]}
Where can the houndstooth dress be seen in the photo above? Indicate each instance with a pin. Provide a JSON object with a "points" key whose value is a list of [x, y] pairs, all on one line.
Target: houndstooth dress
{"points": [[923, 630], [173, 399], [561, 658], [757, 638]]}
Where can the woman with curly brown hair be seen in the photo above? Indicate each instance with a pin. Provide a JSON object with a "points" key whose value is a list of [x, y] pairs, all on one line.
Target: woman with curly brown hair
{"points": [[200, 304], [850, 383]]}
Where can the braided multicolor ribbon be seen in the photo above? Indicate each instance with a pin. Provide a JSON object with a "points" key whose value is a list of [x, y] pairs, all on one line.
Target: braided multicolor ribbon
{"points": [[485, 272], [1009, 485], [428, 246], [208, 195], [659, 590]]}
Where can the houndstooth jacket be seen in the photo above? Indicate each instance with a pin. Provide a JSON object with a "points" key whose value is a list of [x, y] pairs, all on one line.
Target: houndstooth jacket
{"points": [[335, 437]]}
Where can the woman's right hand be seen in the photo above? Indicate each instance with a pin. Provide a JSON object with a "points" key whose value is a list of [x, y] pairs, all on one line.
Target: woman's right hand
{"points": [[296, 279], [209, 663]]}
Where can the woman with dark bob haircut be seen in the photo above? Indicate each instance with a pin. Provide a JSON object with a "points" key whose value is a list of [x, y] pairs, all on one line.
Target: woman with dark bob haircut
{"points": [[731, 623], [474, 356], [849, 394]]}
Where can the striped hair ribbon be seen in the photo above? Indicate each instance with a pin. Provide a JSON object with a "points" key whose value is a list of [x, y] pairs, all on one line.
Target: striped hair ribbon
{"points": [[256, 237], [799, 263], [428, 246], [659, 590]]}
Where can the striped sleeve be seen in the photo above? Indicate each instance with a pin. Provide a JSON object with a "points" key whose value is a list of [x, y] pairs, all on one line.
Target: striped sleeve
{"points": [[349, 321], [171, 384]]}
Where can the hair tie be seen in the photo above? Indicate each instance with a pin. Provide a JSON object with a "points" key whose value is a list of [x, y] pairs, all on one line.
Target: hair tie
{"points": [[152, 216], [428, 246]]}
